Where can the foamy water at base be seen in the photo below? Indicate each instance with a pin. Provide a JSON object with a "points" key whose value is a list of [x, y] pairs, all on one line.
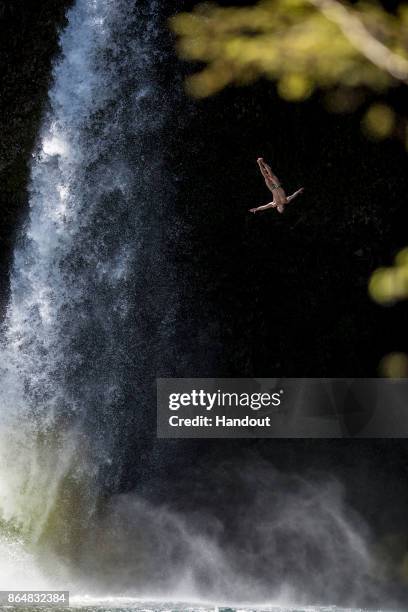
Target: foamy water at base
{"points": [[124, 604], [186, 607]]}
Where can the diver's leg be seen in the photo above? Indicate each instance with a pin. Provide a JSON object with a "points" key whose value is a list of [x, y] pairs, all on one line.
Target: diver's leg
{"points": [[267, 171]]}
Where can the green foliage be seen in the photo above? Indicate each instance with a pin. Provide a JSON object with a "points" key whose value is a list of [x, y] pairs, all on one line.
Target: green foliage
{"points": [[379, 121], [302, 45], [395, 365], [387, 285]]}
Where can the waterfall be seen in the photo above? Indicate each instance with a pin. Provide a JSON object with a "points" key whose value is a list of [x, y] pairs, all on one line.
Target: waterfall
{"points": [[70, 353]]}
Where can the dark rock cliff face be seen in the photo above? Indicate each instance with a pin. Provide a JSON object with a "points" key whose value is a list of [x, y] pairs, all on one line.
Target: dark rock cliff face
{"points": [[28, 42]]}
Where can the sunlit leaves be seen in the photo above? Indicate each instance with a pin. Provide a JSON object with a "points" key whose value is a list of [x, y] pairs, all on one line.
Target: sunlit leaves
{"points": [[300, 46], [394, 365], [388, 285], [379, 121], [295, 87], [288, 41]]}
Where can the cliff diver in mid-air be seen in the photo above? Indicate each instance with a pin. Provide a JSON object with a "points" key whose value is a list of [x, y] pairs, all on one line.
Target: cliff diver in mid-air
{"points": [[280, 199]]}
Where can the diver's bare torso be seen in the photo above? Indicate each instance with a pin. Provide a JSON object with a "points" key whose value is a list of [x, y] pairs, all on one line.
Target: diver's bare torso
{"points": [[280, 199]]}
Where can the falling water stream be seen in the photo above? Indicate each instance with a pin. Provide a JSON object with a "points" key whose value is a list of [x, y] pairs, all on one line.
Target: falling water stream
{"points": [[75, 337]]}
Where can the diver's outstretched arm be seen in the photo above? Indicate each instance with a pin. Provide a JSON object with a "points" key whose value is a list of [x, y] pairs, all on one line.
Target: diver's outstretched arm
{"points": [[280, 207], [295, 195], [264, 207]]}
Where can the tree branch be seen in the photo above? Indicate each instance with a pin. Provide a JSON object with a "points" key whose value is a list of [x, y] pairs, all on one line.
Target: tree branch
{"points": [[362, 39]]}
